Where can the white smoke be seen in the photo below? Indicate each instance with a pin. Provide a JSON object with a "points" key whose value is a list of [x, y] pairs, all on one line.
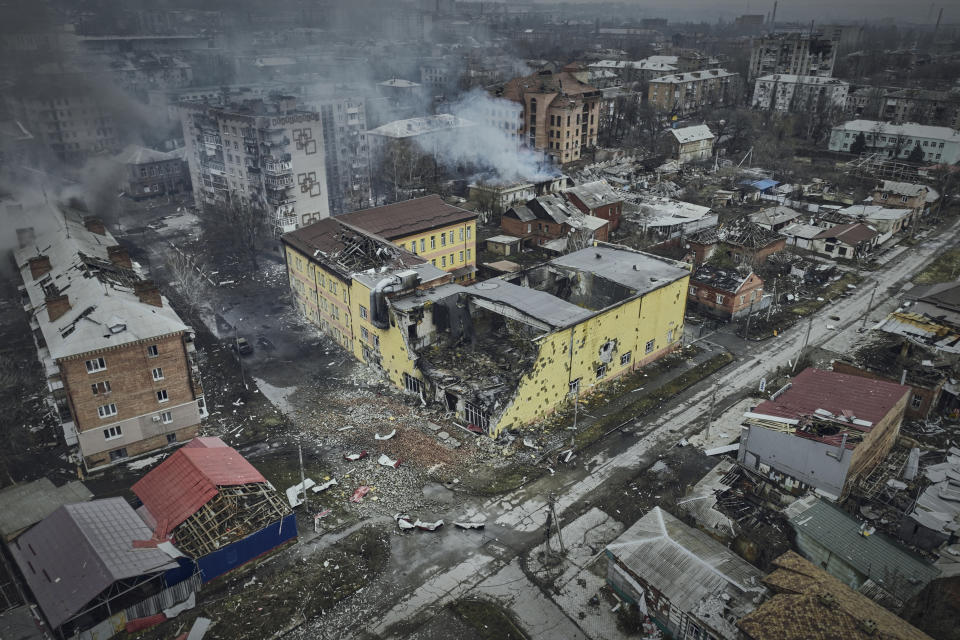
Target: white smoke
{"points": [[491, 146]]}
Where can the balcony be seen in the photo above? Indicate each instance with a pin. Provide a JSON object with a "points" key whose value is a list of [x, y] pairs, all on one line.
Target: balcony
{"points": [[278, 168], [279, 182], [214, 167]]}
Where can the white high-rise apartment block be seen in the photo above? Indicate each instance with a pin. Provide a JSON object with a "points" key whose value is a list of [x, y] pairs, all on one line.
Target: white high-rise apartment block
{"points": [[790, 93]]}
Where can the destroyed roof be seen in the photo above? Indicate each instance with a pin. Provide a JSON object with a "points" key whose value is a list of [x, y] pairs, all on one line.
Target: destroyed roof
{"points": [[884, 561], [553, 207], [686, 565], [180, 485], [561, 83], [944, 297], [521, 212], [908, 189], [744, 234], [143, 155], [727, 280], [642, 272], [535, 306], [938, 507], [810, 604], [851, 234], [842, 395], [418, 298], [760, 185], [922, 330], [79, 550], [347, 248], [774, 215], [874, 212], [595, 194], [790, 78], [672, 209], [406, 218], [104, 310], [24, 505], [908, 129], [692, 134]]}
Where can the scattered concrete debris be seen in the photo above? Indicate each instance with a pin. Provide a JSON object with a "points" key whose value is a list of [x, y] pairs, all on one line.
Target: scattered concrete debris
{"points": [[386, 437], [332, 482], [428, 526], [353, 457], [470, 525], [361, 491], [386, 461], [295, 493]]}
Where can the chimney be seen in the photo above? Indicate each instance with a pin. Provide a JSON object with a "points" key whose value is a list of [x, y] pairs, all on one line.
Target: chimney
{"points": [[148, 292], [119, 257], [39, 266], [95, 225], [57, 306]]}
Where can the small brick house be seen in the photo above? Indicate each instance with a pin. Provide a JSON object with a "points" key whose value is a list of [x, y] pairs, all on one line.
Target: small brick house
{"points": [[746, 243], [154, 173], [545, 219], [725, 294], [597, 199], [925, 390]]}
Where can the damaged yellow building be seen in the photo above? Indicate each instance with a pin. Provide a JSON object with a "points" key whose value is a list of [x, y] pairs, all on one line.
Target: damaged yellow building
{"points": [[499, 354]]}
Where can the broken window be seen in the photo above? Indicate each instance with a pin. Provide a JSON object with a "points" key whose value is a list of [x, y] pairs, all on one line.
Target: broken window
{"points": [[443, 261], [423, 243], [625, 358], [475, 415], [693, 291], [606, 351], [575, 386], [468, 233], [650, 346], [97, 364], [443, 239], [601, 371], [363, 312], [364, 334], [100, 387], [916, 401], [411, 384], [158, 373], [719, 299], [118, 454], [433, 242]]}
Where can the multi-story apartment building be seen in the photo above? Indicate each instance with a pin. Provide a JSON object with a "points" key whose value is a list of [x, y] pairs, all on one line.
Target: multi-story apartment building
{"points": [[429, 228], [685, 93], [269, 154], [789, 93], [119, 361], [939, 145], [346, 155], [796, 53], [561, 112], [923, 106], [67, 115]]}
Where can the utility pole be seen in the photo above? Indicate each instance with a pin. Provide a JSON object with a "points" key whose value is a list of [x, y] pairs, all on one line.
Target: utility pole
{"points": [[772, 302], [713, 402], [303, 483], [746, 331], [869, 305], [553, 516], [806, 339]]}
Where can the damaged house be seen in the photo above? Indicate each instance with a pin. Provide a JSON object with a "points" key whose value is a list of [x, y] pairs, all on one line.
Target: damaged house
{"points": [[215, 506], [552, 223], [496, 354], [726, 294], [825, 431], [744, 243], [690, 584]]}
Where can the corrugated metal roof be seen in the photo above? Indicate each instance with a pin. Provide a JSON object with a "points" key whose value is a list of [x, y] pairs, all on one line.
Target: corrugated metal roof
{"points": [[684, 564], [80, 550], [814, 389], [887, 563], [185, 481], [539, 305], [24, 505]]}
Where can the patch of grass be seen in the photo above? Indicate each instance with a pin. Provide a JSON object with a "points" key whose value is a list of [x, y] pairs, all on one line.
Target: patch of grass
{"points": [[491, 481], [487, 619], [286, 591], [647, 402], [944, 269]]}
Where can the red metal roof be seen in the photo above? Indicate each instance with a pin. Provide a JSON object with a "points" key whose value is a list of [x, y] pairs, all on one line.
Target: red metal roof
{"points": [[185, 481], [838, 393], [208, 441]]}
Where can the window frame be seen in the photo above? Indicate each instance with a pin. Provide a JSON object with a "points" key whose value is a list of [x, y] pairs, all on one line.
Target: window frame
{"points": [[113, 432], [152, 351], [96, 365], [162, 396], [157, 373], [107, 410]]}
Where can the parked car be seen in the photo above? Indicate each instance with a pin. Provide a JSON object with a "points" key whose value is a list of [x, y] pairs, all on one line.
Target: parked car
{"points": [[243, 347]]}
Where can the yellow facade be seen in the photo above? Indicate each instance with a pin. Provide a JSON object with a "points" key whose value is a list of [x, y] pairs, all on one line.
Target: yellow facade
{"points": [[646, 328], [642, 329], [449, 248], [340, 309]]}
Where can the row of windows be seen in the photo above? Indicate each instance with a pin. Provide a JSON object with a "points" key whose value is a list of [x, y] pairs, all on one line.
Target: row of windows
{"points": [[100, 364], [907, 141], [720, 298], [443, 240], [116, 431], [110, 410], [443, 259]]}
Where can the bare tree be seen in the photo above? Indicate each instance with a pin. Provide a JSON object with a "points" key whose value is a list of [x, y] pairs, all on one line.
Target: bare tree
{"points": [[186, 279], [239, 226]]}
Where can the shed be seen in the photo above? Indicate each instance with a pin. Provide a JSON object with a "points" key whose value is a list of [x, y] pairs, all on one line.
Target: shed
{"points": [[24, 505]]}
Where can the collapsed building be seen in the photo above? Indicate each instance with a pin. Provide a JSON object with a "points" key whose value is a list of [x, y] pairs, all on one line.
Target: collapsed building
{"points": [[498, 354]]}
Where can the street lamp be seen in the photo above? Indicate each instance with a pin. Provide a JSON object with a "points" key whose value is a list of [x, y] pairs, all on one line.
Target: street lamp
{"points": [[236, 347]]}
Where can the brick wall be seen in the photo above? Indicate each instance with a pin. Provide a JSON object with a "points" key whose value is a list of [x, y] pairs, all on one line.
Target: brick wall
{"points": [[927, 396], [145, 446], [877, 444], [129, 371]]}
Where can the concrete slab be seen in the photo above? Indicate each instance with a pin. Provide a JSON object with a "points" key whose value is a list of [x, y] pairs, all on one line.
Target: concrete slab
{"points": [[443, 435], [433, 427]]}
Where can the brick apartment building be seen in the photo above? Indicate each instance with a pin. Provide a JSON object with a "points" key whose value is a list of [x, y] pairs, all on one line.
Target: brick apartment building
{"points": [[597, 199], [561, 112], [747, 243], [119, 361], [686, 93]]}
